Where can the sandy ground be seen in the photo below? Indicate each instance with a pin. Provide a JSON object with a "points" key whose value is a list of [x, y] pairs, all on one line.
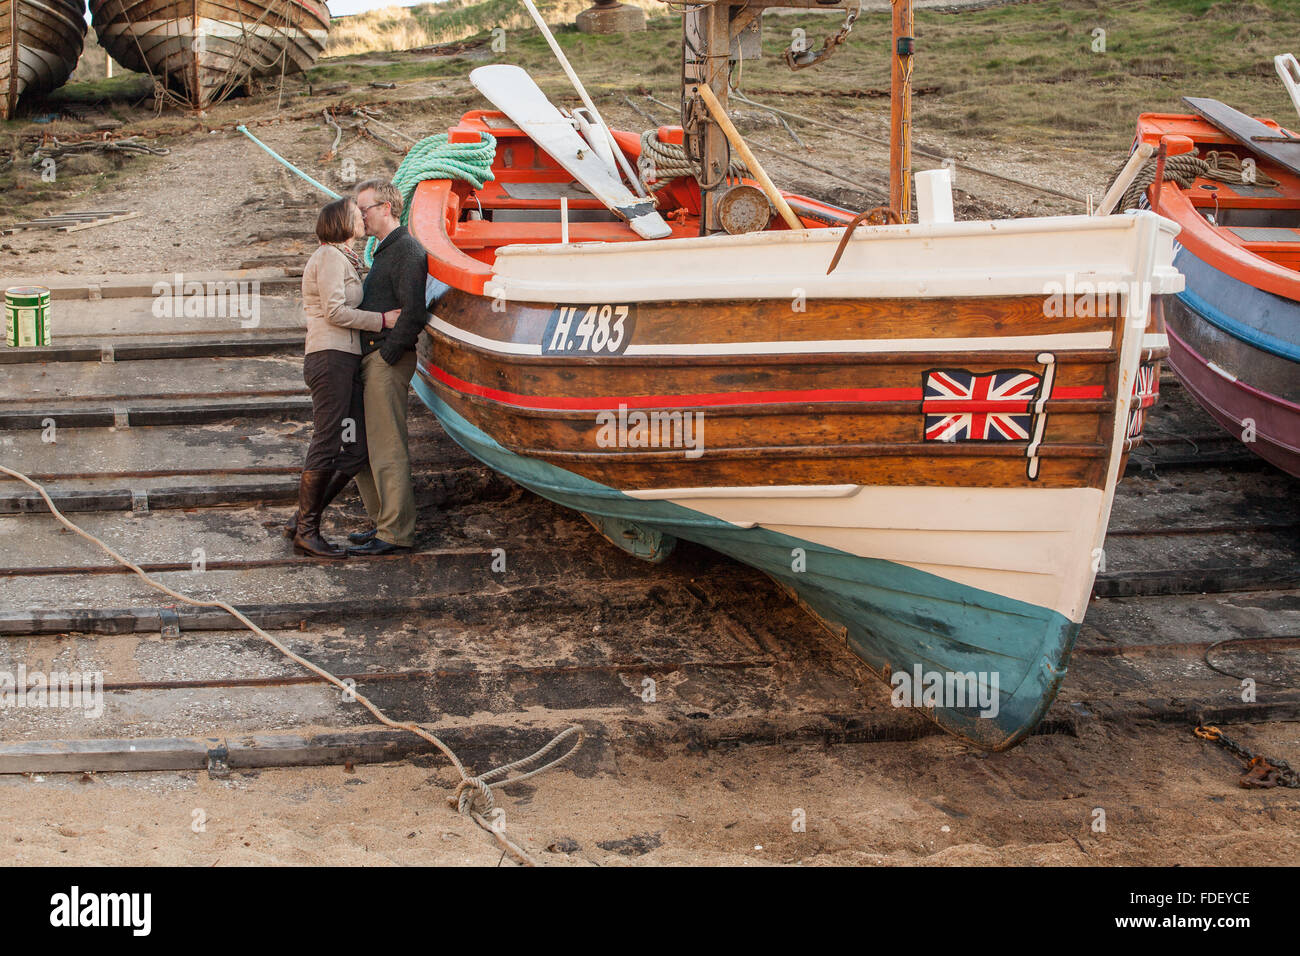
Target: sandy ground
{"points": [[1168, 799]]}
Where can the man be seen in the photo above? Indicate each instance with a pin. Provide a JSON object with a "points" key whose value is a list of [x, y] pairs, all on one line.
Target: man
{"points": [[396, 281]]}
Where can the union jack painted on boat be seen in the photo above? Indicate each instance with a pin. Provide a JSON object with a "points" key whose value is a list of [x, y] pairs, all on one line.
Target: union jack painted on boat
{"points": [[1146, 391], [964, 406]]}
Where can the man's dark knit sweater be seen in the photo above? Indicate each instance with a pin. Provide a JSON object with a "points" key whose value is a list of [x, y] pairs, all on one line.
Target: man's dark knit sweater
{"points": [[396, 281]]}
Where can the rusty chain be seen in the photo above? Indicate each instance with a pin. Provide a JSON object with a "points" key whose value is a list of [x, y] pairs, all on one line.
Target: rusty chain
{"points": [[1261, 772]]}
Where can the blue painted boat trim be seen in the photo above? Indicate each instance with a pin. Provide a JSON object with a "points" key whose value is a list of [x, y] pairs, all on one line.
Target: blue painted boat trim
{"points": [[893, 617], [1256, 315]]}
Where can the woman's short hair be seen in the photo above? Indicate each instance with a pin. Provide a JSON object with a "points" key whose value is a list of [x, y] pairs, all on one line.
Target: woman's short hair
{"points": [[334, 224]]}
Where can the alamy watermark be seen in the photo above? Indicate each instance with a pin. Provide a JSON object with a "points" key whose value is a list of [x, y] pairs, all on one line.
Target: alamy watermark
{"points": [[624, 429], [947, 689], [1084, 298], [76, 690], [213, 299]]}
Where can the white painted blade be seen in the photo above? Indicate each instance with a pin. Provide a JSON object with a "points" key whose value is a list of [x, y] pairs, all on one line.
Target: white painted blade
{"points": [[512, 91]]}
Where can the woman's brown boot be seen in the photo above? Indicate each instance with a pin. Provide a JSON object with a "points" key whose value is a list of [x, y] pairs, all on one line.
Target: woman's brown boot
{"points": [[311, 502], [338, 481]]}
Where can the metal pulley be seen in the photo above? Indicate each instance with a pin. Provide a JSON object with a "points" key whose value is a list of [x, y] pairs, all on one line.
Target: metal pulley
{"points": [[744, 209]]}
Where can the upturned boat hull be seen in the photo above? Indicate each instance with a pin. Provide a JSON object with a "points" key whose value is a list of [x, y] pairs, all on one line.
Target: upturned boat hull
{"points": [[203, 50], [40, 42], [921, 446]]}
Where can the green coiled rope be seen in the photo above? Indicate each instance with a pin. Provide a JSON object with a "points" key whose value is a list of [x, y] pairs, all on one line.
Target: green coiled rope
{"points": [[435, 158]]}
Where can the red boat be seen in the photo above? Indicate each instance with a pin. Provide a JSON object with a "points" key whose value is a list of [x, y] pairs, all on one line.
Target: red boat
{"points": [[1234, 331]]}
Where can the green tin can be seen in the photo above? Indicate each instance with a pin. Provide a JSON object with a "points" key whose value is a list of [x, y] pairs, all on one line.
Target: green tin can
{"points": [[27, 316]]}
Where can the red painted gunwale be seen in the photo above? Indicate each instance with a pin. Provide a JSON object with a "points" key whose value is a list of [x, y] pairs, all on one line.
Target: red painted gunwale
{"points": [[1216, 245], [461, 254]]}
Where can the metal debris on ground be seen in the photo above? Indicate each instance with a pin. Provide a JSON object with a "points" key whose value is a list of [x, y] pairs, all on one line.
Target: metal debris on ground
{"points": [[1261, 772]]}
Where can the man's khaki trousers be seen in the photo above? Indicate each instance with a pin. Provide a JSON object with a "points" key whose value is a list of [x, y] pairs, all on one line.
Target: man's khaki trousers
{"points": [[386, 486]]}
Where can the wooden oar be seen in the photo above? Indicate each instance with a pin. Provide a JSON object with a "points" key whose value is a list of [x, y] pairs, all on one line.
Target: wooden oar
{"points": [[738, 144], [1249, 132]]}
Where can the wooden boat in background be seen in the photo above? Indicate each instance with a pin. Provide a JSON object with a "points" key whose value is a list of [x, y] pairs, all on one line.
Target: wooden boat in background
{"points": [[204, 50], [921, 444], [40, 43], [1234, 331]]}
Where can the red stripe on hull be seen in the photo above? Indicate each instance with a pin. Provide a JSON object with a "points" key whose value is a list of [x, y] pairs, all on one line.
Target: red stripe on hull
{"points": [[856, 395]]}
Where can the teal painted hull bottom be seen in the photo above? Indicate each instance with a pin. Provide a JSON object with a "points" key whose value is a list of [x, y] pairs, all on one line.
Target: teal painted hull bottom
{"points": [[916, 627]]}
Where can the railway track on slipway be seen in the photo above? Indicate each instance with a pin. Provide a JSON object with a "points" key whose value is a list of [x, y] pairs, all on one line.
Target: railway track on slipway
{"points": [[181, 447]]}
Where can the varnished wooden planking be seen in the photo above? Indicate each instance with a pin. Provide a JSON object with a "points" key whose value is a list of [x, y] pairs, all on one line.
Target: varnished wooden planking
{"points": [[770, 321], [40, 43], [157, 37], [924, 463], [560, 376]]}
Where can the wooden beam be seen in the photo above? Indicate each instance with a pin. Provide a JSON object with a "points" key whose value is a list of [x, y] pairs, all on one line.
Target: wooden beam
{"points": [[750, 160]]}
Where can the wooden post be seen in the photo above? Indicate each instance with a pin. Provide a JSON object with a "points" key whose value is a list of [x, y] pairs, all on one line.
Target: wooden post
{"points": [[750, 160], [706, 32], [900, 112]]}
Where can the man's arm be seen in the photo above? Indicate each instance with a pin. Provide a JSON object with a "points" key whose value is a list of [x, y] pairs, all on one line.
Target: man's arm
{"points": [[415, 312]]}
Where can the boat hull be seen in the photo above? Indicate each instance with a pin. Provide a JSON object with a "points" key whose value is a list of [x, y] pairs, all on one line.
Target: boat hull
{"points": [[896, 618], [203, 50], [1237, 351], [1234, 330], [40, 43], [920, 442], [808, 439]]}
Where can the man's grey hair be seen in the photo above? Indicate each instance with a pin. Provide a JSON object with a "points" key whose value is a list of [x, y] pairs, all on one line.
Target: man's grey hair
{"points": [[384, 192]]}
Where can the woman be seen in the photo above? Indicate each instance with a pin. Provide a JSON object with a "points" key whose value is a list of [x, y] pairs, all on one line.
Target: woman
{"points": [[331, 289]]}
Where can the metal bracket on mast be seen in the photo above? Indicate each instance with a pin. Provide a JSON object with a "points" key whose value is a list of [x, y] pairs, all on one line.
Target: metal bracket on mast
{"points": [[802, 59]]}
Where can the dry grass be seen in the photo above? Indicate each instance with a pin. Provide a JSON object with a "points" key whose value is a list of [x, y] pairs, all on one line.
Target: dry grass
{"points": [[408, 28]]}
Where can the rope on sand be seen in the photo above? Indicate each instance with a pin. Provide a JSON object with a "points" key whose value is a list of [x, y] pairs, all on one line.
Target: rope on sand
{"points": [[473, 796]]}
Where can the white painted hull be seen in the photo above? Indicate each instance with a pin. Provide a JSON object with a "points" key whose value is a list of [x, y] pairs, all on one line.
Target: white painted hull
{"points": [[1026, 544], [963, 259]]}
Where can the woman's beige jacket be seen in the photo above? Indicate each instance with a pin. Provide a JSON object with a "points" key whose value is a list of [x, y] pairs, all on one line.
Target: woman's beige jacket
{"points": [[331, 290]]}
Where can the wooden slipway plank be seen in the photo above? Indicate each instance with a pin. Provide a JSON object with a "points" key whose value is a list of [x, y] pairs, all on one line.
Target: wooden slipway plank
{"points": [[211, 447], [84, 383], [135, 412], [157, 537], [1194, 619], [121, 285], [478, 745], [94, 322], [383, 579], [1266, 497]]}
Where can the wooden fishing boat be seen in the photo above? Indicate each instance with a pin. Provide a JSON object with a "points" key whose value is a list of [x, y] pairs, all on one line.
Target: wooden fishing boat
{"points": [[202, 51], [921, 443], [1234, 331], [40, 42]]}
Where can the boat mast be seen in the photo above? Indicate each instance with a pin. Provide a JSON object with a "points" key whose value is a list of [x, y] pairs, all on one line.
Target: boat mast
{"points": [[711, 31], [900, 111]]}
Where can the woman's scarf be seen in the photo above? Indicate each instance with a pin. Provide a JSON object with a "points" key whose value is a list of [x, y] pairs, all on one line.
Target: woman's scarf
{"points": [[351, 254]]}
